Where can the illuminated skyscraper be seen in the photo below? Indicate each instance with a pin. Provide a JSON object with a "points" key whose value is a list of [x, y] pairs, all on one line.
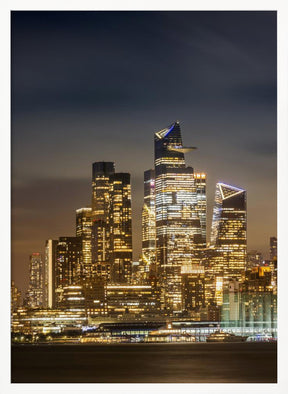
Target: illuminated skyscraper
{"points": [[120, 228], [50, 273], [36, 291], [178, 228], [68, 263], [84, 231], [100, 242], [201, 205], [228, 235], [148, 220]]}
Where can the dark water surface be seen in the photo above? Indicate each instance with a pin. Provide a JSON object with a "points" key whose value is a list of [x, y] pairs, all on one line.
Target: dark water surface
{"points": [[145, 363]]}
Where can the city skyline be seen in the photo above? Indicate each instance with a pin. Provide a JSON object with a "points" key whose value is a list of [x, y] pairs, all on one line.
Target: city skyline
{"points": [[247, 158]]}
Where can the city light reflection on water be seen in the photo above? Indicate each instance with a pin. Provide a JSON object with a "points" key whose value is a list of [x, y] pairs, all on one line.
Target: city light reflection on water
{"points": [[145, 363]]}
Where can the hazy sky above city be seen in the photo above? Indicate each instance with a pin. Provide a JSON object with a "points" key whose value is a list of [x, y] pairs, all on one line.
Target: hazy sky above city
{"points": [[93, 86]]}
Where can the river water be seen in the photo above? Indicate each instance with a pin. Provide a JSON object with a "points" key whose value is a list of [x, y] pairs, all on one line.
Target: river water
{"points": [[145, 363]]}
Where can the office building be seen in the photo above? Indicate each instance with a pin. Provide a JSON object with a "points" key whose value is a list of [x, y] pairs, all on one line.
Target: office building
{"points": [[50, 273], [148, 221], [254, 258], [84, 231], [120, 228], [36, 290], [229, 235], [68, 263], [193, 287], [100, 215], [201, 204], [178, 228]]}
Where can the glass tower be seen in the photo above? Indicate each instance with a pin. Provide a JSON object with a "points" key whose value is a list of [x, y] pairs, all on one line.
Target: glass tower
{"points": [[120, 228], [228, 235], [148, 221], [50, 272], [201, 205], [100, 215], [36, 291], [84, 231], [68, 263], [178, 227]]}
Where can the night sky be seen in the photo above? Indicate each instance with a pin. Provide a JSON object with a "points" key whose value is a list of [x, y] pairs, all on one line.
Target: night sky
{"points": [[93, 86]]}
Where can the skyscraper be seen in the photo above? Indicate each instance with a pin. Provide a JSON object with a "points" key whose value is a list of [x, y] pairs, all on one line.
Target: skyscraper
{"points": [[178, 227], [120, 228], [84, 231], [229, 235], [201, 205], [148, 221], [100, 242], [36, 291], [68, 263], [50, 273]]}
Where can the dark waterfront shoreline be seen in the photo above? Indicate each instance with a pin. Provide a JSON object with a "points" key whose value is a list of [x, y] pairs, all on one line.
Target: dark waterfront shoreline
{"points": [[145, 363]]}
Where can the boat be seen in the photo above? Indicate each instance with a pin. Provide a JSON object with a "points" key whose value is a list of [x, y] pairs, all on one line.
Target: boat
{"points": [[221, 336]]}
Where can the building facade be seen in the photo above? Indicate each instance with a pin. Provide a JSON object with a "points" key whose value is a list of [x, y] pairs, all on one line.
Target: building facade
{"points": [[100, 215], [50, 273], [229, 232], [36, 290], [120, 228], [84, 231], [178, 227], [68, 263], [148, 221]]}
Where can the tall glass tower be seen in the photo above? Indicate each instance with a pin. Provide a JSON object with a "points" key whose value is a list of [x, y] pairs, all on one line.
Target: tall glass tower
{"points": [[178, 227], [84, 231], [100, 215], [148, 221], [229, 231], [120, 228]]}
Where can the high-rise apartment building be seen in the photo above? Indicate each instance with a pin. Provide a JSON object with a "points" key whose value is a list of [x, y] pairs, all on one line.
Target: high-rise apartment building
{"points": [[229, 234], [120, 228], [84, 231], [178, 228], [36, 290], [148, 221], [100, 215]]}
